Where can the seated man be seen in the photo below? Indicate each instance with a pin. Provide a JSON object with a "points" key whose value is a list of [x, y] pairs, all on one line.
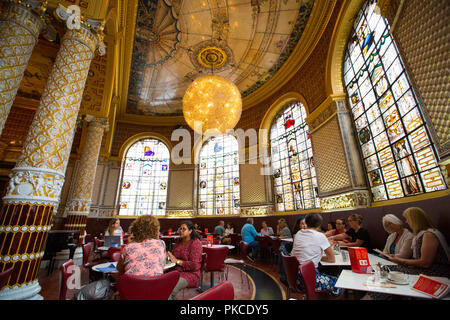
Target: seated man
{"points": [[360, 237], [220, 229], [248, 233], [311, 244]]}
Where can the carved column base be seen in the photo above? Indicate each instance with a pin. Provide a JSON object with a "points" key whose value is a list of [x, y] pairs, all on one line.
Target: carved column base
{"points": [[346, 201], [23, 233], [25, 292]]}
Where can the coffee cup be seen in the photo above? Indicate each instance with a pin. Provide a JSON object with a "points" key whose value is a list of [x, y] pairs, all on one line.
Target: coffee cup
{"points": [[397, 276]]}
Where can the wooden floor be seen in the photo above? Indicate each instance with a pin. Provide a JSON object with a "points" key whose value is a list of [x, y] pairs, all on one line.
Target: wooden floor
{"points": [[50, 283]]}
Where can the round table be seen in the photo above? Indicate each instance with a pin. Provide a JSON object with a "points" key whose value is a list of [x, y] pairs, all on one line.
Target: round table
{"points": [[219, 246], [170, 238], [107, 264]]}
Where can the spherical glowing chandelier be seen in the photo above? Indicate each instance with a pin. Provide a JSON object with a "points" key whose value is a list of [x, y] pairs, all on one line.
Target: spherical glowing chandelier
{"points": [[214, 102]]}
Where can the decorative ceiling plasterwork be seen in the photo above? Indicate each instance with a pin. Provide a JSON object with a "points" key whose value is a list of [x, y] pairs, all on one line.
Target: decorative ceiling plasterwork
{"points": [[171, 37]]}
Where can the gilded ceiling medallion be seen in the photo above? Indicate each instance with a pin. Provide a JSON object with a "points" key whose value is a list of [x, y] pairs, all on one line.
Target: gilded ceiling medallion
{"points": [[212, 57], [176, 42]]}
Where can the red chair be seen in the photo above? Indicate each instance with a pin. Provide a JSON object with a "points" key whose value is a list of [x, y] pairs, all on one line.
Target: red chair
{"points": [[112, 250], [133, 287], [223, 291], [235, 239], [243, 249], [215, 258], [115, 256], [264, 243], [276, 243], [93, 275], [87, 248], [4, 277], [87, 238], [98, 243], [291, 265], [65, 274], [308, 272]]}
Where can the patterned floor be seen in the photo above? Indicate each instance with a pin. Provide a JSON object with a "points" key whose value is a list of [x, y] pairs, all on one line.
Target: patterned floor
{"points": [[257, 281]]}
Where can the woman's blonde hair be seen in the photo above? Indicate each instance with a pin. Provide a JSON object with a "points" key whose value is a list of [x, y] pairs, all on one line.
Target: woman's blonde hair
{"points": [[418, 219], [145, 227], [283, 223], [111, 228]]}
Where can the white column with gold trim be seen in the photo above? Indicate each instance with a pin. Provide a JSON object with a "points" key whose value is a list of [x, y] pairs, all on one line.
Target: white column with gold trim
{"points": [[20, 25], [36, 181], [79, 203]]}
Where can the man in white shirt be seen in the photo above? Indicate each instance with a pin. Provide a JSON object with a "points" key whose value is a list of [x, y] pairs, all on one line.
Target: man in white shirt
{"points": [[311, 244]]}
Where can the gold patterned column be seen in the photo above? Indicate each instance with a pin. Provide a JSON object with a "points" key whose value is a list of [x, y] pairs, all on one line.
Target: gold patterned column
{"points": [[80, 200], [340, 172], [20, 25], [36, 180]]}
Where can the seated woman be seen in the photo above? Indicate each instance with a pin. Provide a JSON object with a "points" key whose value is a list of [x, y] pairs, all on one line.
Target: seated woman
{"points": [[399, 241], [146, 254], [299, 225], [187, 254], [283, 229], [228, 231], [430, 251], [198, 229], [266, 230], [360, 236], [114, 229], [331, 226]]}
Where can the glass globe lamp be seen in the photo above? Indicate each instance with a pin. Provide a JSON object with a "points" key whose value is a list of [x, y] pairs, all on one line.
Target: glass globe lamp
{"points": [[214, 102]]}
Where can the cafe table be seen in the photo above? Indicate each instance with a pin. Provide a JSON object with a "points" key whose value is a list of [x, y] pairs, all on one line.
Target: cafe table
{"points": [[373, 260], [171, 239], [219, 246], [282, 239], [110, 267], [356, 281]]}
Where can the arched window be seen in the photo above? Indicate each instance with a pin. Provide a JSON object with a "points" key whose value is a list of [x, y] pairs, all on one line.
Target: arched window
{"points": [[294, 173], [398, 153], [145, 173], [219, 186]]}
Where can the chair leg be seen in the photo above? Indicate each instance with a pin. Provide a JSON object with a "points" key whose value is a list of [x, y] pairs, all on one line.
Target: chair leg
{"points": [[200, 288]]}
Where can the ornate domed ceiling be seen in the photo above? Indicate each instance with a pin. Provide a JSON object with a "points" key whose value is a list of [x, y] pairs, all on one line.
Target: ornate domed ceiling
{"points": [[175, 41]]}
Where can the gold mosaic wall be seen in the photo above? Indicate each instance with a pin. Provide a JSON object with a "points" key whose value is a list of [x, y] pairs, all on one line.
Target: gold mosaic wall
{"points": [[252, 184], [329, 157], [423, 36], [180, 193]]}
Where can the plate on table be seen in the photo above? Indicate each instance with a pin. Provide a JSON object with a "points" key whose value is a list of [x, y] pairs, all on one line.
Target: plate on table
{"points": [[404, 282]]}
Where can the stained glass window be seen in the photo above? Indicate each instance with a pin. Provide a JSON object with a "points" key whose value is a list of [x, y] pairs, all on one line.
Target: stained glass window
{"points": [[294, 173], [398, 153], [144, 179], [219, 186]]}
